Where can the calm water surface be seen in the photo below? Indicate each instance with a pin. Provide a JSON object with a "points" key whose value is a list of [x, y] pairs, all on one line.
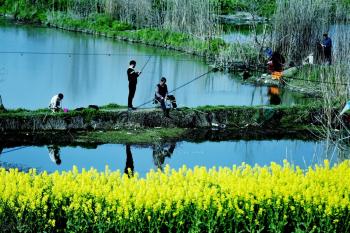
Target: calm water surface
{"points": [[30, 80], [142, 159]]}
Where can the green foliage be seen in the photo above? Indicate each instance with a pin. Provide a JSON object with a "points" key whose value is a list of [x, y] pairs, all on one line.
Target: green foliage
{"points": [[100, 23], [175, 40], [112, 106], [262, 7], [231, 6]]}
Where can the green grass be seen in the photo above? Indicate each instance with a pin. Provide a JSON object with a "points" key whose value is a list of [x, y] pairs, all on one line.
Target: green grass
{"points": [[103, 24], [95, 22], [136, 136], [263, 7], [25, 112]]}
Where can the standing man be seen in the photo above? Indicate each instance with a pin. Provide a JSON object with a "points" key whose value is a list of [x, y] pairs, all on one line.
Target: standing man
{"points": [[327, 48], [132, 77]]}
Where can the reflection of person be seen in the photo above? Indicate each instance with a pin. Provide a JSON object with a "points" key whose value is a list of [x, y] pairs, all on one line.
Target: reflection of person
{"points": [[327, 48], [161, 95], [132, 77], [160, 152], [55, 103], [129, 165], [54, 153], [274, 95]]}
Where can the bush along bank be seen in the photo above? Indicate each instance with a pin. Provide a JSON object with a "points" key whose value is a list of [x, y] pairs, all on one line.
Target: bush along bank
{"points": [[104, 25], [241, 199]]}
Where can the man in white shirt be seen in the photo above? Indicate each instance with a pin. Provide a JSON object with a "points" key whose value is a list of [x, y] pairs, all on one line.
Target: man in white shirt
{"points": [[55, 104]]}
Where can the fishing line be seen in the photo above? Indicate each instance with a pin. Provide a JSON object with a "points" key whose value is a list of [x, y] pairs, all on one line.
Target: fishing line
{"points": [[149, 58], [92, 54], [315, 81], [179, 87]]}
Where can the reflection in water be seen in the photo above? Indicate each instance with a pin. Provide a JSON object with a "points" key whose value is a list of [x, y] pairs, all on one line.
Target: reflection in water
{"points": [[274, 95], [141, 159], [160, 152], [129, 165], [54, 154]]}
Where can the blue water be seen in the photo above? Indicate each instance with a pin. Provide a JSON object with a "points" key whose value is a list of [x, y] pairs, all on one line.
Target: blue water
{"points": [[208, 154], [29, 80]]}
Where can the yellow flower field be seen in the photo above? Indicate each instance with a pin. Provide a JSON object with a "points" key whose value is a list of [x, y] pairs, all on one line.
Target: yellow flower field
{"points": [[238, 199]]}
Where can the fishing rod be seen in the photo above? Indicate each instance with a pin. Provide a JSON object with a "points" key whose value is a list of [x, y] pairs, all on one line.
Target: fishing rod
{"points": [[10, 150], [149, 58], [181, 86]]}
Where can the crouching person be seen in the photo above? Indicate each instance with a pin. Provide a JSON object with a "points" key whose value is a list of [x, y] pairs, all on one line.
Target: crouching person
{"points": [[55, 104], [161, 96]]}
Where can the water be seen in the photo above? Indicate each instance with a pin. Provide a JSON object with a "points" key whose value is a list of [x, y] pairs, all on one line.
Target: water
{"points": [[242, 34], [30, 80], [142, 159]]}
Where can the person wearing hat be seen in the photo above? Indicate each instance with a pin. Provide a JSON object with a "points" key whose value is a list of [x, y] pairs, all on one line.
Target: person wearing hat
{"points": [[327, 48], [55, 103], [132, 78], [161, 95]]}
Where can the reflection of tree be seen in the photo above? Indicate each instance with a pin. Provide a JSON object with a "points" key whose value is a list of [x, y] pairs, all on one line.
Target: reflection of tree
{"points": [[160, 152], [54, 153], [129, 165]]}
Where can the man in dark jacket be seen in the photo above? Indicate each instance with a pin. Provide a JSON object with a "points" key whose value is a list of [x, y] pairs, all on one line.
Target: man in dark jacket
{"points": [[161, 95], [327, 48], [132, 77]]}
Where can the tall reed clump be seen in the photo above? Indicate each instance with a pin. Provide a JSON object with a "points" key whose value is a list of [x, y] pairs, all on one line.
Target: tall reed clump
{"points": [[196, 17], [335, 91], [298, 24]]}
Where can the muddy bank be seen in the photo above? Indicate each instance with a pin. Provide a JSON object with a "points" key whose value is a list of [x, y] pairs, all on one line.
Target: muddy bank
{"points": [[146, 137], [263, 117]]}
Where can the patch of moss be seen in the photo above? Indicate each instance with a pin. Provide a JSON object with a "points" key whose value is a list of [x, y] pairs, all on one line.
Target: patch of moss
{"points": [[138, 136], [112, 106]]}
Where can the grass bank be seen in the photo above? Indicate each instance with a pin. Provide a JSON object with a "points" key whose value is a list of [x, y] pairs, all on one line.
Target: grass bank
{"points": [[119, 119], [104, 25]]}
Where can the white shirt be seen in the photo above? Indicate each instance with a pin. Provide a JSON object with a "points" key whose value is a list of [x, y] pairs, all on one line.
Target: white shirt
{"points": [[55, 102]]}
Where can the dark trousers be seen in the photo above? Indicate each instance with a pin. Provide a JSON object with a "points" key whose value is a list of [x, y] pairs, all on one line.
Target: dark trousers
{"points": [[328, 55], [172, 100], [129, 161], [132, 90]]}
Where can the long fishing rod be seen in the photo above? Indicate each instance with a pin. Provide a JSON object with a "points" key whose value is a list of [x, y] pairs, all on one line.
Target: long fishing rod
{"points": [[149, 58], [181, 86], [10, 150]]}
